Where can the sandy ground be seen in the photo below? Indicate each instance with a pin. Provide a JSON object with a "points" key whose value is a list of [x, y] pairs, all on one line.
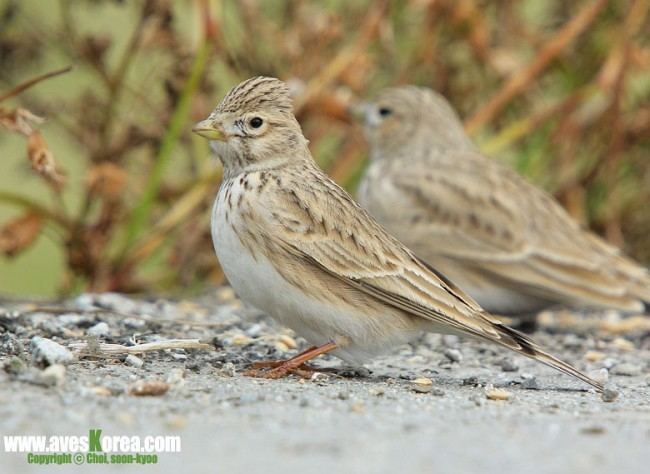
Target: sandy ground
{"points": [[377, 421]]}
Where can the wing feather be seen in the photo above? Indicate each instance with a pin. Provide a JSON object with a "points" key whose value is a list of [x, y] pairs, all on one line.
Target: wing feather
{"points": [[367, 259]]}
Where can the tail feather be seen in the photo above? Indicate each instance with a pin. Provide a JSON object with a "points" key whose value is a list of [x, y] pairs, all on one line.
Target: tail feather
{"points": [[522, 344]]}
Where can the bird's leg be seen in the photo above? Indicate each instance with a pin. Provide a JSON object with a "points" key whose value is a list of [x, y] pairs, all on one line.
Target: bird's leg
{"points": [[272, 364], [282, 368]]}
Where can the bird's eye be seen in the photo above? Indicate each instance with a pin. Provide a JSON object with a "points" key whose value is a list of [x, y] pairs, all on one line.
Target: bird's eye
{"points": [[256, 122], [385, 111]]}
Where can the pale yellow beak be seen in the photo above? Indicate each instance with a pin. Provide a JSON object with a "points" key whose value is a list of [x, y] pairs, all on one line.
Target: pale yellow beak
{"points": [[206, 128]]}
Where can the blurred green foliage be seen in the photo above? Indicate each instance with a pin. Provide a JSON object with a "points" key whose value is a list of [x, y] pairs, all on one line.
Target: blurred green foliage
{"points": [[559, 90]]}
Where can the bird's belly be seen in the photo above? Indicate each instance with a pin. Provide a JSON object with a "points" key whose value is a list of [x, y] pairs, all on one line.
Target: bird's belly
{"points": [[256, 281]]}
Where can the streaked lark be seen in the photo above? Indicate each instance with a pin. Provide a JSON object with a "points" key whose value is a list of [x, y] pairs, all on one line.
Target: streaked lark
{"points": [[507, 243], [295, 245]]}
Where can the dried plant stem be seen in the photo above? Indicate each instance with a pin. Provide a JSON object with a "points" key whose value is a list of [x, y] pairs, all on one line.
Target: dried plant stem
{"points": [[179, 118], [182, 209], [522, 127], [331, 71], [33, 206], [519, 81], [115, 81], [27, 84], [107, 350]]}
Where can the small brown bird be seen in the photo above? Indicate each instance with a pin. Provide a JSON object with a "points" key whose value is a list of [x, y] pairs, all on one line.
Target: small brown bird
{"points": [[295, 245], [509, 244]]}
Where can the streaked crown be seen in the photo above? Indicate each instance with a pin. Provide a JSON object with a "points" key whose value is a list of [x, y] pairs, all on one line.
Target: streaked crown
{"points": [[257, 93]]}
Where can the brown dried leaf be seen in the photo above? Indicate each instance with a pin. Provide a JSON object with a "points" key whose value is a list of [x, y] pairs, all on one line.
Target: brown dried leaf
{"points": [[18, 120], [17, 234], [106, 179], [42, 159]]}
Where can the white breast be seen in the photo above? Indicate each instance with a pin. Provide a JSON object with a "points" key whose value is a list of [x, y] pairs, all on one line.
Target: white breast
{"points": [[256, 281]]}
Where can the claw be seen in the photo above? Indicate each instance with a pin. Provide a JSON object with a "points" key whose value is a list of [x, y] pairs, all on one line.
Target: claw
{"points": [[277, 369], [274, 369]]}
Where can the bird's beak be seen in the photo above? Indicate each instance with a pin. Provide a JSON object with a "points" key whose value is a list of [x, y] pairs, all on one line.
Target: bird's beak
{"points": [[207, 129], [359, 111]]}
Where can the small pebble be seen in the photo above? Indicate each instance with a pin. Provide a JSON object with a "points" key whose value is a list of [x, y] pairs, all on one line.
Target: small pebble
{"points": [[53, 375], [10, 345], [529, 382], [281, 346], [593, 430], [421, 388], [176, 377], [600, 375], [509, 365], [133, 361], [99, 330], [626, 369], [343, 395], [85, 302], [450, 340], [14, 365], [478, 401], [133, 323], [608, 362], [247, 398], [594, 356], [49, 377], [473, 380], [498, 394], [424, 381], [609, 394], [288, 341], [422, 385], [47, 352], [254, 331], [453, 355], [148, 388], [116, 302], [73, 319], [96, 390], [623, 344], [240, 340], [573, 341], [52, 328]]}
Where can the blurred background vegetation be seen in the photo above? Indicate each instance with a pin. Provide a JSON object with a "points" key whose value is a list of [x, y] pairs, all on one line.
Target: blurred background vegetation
{"points": [[112, 192]]}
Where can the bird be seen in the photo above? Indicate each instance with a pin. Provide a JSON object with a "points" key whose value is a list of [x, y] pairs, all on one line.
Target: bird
{"points": [[295, 245], [507, 243]]}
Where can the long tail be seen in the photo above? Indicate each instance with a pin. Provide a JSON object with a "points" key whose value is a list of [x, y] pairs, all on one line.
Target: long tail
{"points": [[522, 344]]}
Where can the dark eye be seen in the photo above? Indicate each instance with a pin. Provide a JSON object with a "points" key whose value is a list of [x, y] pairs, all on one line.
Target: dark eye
{"points": [[256, 122], [385, 111]]}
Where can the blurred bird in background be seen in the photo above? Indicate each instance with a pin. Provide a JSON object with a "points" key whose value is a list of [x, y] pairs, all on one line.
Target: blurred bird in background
{"points": [[509, 244]]}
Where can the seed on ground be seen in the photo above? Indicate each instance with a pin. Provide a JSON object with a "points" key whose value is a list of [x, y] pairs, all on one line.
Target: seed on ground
{"points": [[498, 394]]}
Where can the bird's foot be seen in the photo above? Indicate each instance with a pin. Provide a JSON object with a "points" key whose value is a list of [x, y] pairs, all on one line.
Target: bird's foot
{"points": [[274, 369], [277, 369]]}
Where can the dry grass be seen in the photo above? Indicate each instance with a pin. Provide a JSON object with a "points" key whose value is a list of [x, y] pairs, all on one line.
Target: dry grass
{"points": [[560, 90]]}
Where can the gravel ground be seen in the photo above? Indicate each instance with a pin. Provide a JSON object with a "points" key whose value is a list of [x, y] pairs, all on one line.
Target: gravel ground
{"points": [[442, 405]]}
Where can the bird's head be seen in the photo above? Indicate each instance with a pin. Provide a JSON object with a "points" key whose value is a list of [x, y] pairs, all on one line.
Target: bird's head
{"points": [[403, 117], [254, 126]]}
